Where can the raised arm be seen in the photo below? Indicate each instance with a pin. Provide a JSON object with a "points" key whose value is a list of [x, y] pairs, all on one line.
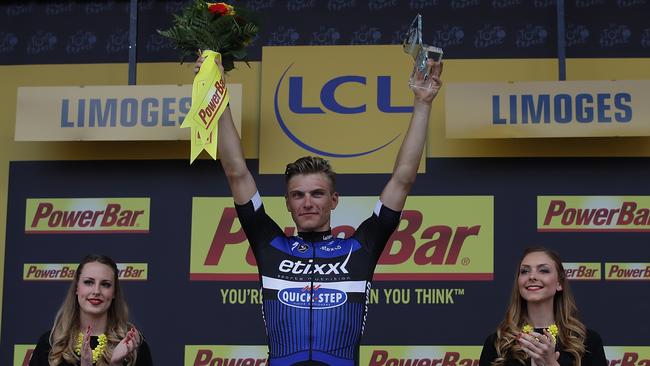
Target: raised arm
{"points": [[410, 152], [231, 155]]}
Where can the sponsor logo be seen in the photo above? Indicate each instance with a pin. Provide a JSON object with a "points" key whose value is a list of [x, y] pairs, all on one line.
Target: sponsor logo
{"points": [[84, 215], [226, 355], [438, 238], [23, 354], [628, 356], [303, 247], [316, 297], [582, 271], [593, 213], [627, 271], [330, 103], [66, 272], [420, 355], [298, 267]]}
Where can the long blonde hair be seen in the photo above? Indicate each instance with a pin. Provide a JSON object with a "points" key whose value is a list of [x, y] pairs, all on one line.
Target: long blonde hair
{"points": [[66, 327], [572, 332]]}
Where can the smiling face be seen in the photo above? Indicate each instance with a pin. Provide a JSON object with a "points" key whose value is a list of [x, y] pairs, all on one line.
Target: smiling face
{"points": [[95, 289], [310, 200], [538, 279]]}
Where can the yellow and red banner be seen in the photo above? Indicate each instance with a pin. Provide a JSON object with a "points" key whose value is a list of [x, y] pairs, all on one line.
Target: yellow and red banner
{"points": [[354, 113], [211, 355], [209, 100], [22, 354], [547, 109], [627, 271], [582, 271], [420, 355], [593, 213], [66, 271], [628, 355], [439, 238], [87, 215]]}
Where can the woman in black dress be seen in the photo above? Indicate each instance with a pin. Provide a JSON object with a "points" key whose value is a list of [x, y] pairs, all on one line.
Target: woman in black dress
{"points": [[91, 327], [541, 327]]}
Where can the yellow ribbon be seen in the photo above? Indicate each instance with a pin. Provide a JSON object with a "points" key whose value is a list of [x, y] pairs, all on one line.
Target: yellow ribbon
{"points": [[209, 99]]}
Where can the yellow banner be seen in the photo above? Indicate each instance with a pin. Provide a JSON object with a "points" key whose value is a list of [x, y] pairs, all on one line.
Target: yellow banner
{"points": [[627, 271], [109, 112], [209, 99], [353, 112], [439, 238], [23, 353], [66, 272], [225, 355], [87, 215], [582, 271], [593, 213], [547, 109], [628, 355], [420, 355]]}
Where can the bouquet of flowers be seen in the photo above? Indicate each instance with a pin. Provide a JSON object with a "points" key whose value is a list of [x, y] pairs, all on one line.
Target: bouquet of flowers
{"points": [[218, 27]]}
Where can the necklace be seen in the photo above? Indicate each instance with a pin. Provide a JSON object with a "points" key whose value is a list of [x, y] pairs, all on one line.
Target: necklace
{"points": [[97, 351], [552, 329]]}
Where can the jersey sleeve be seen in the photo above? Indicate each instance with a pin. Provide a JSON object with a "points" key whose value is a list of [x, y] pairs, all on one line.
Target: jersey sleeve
{"points": [[259, 228], [374, 232], [41, 352]]}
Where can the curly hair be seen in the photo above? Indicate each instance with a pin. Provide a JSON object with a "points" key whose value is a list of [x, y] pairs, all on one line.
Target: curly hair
{"points": [[66, 327], [572, 332]]}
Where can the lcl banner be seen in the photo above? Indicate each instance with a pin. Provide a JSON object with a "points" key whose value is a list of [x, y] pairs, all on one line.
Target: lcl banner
{"points": [[71, 113]]}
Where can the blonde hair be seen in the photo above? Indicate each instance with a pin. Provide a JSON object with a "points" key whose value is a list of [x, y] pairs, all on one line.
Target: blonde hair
{"points": [[572, 332], [66, 327], [311, 165]]}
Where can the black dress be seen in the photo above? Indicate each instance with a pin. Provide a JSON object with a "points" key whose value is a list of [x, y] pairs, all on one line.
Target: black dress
{"points": [[42, 350], [594, 353]]}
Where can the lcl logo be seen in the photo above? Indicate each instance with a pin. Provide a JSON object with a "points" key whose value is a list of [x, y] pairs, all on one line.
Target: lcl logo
{"points": [[329, 104]]}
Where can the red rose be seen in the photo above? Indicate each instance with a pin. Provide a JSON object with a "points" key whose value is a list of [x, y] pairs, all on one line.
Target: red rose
{"points": [[218, 8]]}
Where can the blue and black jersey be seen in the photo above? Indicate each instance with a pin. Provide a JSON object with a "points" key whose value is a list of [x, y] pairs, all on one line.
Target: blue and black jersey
{"points": [[314, 286]]}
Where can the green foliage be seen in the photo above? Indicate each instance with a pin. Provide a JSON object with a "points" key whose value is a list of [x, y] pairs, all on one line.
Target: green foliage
{"points": [[196, 28]]}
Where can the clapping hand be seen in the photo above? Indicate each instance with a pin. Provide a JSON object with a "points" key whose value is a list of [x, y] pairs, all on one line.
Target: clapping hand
{"points": [[126, 346], [540, 348]]}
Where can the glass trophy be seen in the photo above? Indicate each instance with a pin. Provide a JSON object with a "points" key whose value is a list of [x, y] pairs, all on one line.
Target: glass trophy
{"points": [[421, 53]]}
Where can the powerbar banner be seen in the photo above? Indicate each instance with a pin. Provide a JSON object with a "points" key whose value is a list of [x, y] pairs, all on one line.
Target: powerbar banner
{"points": [[593, 213], [547, 109], [102, 113], [441, 287], [439, 238]]}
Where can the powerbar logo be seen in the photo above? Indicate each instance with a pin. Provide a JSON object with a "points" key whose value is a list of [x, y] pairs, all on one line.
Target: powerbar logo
{"points": [[86, 215], [628, 356], [226, 355], [420, 355], [627, 271], [23, 354], [582, 271], [66, 272], [593, 213], [438, 238]]}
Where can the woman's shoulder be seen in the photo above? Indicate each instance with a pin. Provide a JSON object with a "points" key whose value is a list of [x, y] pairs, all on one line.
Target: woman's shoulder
{"points": [[45, 338], [593, 338]]}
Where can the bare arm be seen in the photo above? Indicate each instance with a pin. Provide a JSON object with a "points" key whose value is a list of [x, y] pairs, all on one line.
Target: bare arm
{"points": [[231, 155], [410, 152]]}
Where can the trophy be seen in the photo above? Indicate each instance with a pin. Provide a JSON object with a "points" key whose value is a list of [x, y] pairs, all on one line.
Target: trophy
{"points": [[421, 53]]}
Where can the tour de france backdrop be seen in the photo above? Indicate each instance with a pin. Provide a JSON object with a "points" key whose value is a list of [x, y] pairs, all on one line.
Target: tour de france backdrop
{"points": [[514, 158]]}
